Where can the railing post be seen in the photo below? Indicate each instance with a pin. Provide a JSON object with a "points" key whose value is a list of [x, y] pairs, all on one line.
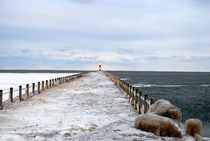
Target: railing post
{"points": [[27, 91], [53, 82], [59, 81], [46, 84], [11, 94], [136, 99], [140, 102], [133, 95], [145, 104], [33, 88], [130, 92], [56, 81], [50, 83], [38, 87], [1, 99], [20, 93], [42, 86]]}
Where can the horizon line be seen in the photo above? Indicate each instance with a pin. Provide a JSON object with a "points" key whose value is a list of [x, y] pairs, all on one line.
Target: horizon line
{"points": [[71, 70]]}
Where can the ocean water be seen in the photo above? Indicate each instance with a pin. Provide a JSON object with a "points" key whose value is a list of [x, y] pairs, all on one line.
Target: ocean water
{"points": [[190, 91]]}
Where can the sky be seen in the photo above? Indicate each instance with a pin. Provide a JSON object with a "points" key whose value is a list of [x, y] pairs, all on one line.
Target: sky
{"points": [[138, 35]]}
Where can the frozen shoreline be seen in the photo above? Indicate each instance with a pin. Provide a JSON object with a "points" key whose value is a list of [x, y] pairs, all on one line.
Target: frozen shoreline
{"points": [[89, 108], [15, 79]]}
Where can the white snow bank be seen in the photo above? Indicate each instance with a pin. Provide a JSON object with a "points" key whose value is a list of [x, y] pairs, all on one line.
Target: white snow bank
{"points": [[15, 79], [89, 108]]}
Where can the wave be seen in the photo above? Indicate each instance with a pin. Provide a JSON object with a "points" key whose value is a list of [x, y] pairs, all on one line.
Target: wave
{"points": [[148, 85], [124, 78], [167, 86], [205, 85]]}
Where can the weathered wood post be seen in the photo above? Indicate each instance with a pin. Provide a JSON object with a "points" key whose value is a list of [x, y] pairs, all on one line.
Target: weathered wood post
{"points": [[136, 99], [27, 91], [59, 81], [42, 86], [125, 87], [130, 93], [11, 94], [56, 81], [20, 93], [127, 90], [133, 95], [146, 106], [38, 89], [53, 82], [33, 88], [139, 101], [46, 84], [50, 83], [1, 99]]}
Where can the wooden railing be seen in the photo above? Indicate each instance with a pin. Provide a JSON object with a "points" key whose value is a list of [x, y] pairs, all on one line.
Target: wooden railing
{"points": [[140, 101], [35, 88]]}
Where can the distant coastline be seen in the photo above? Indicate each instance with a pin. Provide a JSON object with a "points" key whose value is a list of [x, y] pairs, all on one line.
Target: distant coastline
{"points": [[40, 71], [70, 71]]}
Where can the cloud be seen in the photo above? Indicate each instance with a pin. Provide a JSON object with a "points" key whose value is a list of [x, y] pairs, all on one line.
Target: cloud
{"points": [[121, 33]]}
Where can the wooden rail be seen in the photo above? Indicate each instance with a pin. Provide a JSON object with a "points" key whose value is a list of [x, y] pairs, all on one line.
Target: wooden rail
{"points": [[33, 89], [140, 101]]}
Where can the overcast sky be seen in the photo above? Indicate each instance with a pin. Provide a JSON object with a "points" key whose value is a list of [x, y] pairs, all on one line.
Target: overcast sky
{"points": [[150, 35]]}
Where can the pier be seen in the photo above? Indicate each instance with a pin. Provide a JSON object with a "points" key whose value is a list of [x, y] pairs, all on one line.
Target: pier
{"points": [[90, 107]]}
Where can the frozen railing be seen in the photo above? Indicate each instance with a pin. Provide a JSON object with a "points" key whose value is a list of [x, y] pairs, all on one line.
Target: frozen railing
{"points": [[25, 92], [140, 101]]}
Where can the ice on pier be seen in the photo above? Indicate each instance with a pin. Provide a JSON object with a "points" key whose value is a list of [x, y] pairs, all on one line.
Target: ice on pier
{"points": [[90, 108]]}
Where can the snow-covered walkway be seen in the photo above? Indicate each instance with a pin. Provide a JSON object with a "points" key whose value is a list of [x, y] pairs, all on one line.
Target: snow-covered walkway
{"points": [[89, 108]]}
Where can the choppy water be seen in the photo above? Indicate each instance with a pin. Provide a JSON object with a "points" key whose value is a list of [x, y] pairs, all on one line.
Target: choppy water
{"points": [[188, 90]]}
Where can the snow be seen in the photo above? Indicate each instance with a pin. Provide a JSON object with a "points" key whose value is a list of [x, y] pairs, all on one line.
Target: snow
{"points": [[90, 108], [15, 79]]}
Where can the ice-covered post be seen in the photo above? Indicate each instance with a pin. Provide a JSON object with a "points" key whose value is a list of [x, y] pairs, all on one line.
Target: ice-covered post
{"points": [[33, 88], [145, 104], [124, 86], [130, 92], [11, 94], [50, 83], [42, 86], [136, 99], [56, 81], [27, 91], [1, 99], [133, 94], [46, 84], [140, 101], [53, 82], [38, 87], [20, 93], [59, 81]]}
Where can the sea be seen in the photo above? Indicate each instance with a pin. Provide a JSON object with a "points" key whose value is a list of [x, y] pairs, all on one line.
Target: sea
{"points": [[190, 91]]}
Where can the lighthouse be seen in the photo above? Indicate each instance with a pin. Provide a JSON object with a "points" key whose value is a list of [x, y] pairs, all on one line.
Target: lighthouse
{"points": [[99, 66]]}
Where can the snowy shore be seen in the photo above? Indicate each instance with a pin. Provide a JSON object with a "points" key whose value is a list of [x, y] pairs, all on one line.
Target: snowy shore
{"points": [[90, 108]]}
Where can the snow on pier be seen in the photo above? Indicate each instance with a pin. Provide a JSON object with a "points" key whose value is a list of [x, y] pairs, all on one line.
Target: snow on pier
{"points": [[88, 108]]}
